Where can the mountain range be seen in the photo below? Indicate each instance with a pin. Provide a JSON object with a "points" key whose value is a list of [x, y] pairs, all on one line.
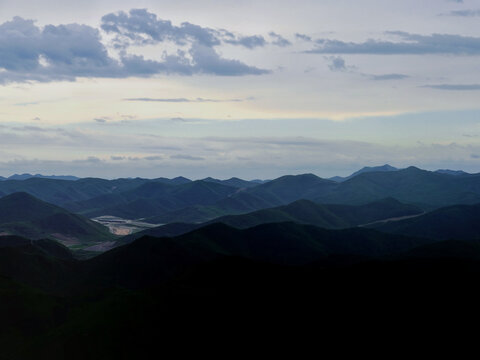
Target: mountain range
{"points": [[178, 200], [29, 176], [301, 212], [249, 259]]}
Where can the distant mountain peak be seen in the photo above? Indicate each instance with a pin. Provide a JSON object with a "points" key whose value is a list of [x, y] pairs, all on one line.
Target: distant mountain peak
{"points": [[451, 172], [27, 176], [365, 169]]}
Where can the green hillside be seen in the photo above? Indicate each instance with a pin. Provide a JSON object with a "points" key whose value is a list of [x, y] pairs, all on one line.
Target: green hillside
{"points": [[22, 214]]}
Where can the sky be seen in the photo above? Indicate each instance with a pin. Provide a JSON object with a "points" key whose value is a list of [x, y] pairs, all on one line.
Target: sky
{"points": [[252, 89]]}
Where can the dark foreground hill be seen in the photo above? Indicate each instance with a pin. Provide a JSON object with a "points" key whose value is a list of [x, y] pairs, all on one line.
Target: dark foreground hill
{"points": [[152, 261], [452, 222], [22, 214], [237, 288]]}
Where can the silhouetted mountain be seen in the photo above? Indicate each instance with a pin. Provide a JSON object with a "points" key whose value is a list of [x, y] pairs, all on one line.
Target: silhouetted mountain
{"points": [[153, 198], [282, 243], [179, 180], [411, 185], [459, 222], [53, 177], [365, 169], [43, 264], [235, 182], [300, 211], [329, 216], [452, 172], [200, 213], [287, 189], [22, 214], [149, 261], [277, 192], [259, 181], [179, 200], [60, 192], [133, 299]]}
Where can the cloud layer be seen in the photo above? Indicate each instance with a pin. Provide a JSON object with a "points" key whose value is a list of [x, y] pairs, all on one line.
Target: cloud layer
{"points": [[409, 44], [66, 52]]}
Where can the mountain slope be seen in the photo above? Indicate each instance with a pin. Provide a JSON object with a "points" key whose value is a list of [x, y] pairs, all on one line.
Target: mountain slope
{"points": [[61, 192], [365, 169], [301, 211], [460, 222], [411, 185], [153, 198], [22, 214], [235, 182], [330, 216]]}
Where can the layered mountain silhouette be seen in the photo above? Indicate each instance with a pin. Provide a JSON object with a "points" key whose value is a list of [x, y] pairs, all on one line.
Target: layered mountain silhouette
{"points": [[182, 200], [301, 212]]}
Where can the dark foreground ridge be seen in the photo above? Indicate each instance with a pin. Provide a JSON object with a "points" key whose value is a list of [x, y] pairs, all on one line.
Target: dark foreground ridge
{"points": [[274, 278]]}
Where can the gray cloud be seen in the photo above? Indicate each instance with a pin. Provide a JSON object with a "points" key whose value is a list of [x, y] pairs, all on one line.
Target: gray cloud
{"points": [[337, 63], [186, 157], [206, 60], [388, 77], [279, 40], [454, 87], [100, 120], [153, 158], [66, 52], [185, 100], [475, 156], [89, 159], [117, 158], [141, 27], [53, 53], [303, 37], [464, 13], [411, 44], [247, 41], [26, 103]]}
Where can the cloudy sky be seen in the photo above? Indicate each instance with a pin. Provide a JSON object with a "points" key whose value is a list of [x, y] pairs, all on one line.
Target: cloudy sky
{"points": [[254, 89]]}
